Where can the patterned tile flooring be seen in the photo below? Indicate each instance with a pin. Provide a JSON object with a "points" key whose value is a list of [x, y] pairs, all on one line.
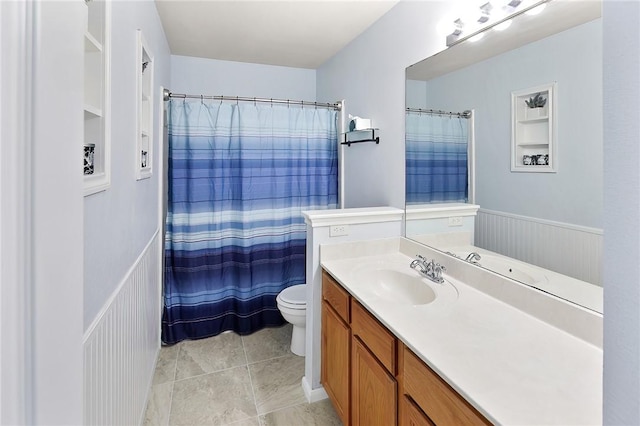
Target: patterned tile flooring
{"points": [[234, 380]]}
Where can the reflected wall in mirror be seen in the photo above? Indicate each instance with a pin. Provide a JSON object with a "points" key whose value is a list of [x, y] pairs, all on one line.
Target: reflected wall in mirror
{"points": [[545, 225]]}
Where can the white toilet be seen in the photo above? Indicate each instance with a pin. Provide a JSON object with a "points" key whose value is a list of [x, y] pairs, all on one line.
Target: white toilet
{"points": [[292, 303]]}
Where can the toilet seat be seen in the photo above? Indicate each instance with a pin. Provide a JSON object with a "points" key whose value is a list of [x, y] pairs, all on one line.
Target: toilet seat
{"points": [[294, 297]]}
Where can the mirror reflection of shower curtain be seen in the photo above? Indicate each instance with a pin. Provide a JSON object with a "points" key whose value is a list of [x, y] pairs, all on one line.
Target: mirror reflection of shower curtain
{"points": [[239, 178], [436, 158]]}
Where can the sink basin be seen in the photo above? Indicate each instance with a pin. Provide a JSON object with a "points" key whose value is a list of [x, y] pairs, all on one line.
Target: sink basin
{"points": [[398, 287]]}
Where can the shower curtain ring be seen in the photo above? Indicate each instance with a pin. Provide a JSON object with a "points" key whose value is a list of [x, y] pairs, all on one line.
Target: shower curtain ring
{"points": [[254, 101], [202, 99], [236, 100]]}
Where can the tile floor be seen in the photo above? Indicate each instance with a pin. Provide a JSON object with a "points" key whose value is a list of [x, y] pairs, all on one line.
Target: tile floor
{"points": [[234, 380]]}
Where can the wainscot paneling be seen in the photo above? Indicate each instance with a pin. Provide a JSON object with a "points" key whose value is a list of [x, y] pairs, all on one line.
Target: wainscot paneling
{"points": [[121, 346], [568, 249]]}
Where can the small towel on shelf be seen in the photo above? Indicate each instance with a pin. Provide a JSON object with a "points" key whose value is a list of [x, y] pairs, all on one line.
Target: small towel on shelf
{"points": [[358, 123]]}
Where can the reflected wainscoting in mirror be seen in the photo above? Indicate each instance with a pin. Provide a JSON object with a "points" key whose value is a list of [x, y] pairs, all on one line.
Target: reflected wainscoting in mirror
{"points": [[549, 221]]}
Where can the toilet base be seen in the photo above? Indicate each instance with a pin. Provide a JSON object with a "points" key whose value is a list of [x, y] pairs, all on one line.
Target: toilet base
{"points": [[298, 344]]}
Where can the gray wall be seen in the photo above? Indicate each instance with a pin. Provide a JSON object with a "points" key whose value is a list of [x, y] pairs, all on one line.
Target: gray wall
{"points": [[53, 361], [119, 222], [416, 94], [621, 25], [199, 76], [573, 59], [369, 74]]}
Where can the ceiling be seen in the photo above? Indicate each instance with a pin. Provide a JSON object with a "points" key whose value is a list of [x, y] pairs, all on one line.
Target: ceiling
{"points": [[293, 33]]}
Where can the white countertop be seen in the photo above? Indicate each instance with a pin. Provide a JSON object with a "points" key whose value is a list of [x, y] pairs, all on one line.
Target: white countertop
{"points": [[513, 367]]}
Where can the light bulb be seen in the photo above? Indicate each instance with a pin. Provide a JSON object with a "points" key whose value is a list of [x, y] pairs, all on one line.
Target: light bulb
{"points": [[485, 13], [503, 25], [536, 10]]}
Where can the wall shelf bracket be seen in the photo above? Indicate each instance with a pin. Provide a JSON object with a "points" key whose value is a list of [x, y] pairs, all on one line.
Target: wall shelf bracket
{"points": [[360, 136]]}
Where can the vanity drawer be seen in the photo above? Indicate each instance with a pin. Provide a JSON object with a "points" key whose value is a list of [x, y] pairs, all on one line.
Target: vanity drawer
{"points": [[436, 398], [375, 335], [336, 296]]}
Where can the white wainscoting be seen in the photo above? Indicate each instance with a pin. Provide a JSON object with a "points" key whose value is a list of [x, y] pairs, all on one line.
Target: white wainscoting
{"points": [[121, 346], [568, 249]]}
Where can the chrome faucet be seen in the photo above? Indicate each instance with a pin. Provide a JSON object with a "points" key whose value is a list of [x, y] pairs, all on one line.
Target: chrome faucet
{"points": [[429, 269], [473, 258], [422, 262]]}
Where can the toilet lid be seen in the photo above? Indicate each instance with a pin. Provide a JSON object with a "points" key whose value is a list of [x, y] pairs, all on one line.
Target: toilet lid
{"points": [[294, 295]]}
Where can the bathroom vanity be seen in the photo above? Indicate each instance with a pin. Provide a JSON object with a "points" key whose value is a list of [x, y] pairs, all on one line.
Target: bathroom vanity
{"points": [[477, 349], [373, 378]]}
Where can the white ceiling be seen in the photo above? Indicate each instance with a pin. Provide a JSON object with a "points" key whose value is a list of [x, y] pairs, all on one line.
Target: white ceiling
{"points": [[293, 33]]}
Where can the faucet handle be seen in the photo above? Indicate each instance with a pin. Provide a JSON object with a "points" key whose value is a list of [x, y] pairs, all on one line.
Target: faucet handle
{"points": [[437, 273]]}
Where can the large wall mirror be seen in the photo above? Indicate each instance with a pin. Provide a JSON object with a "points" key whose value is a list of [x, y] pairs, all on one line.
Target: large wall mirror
{"points": [[546, 218]]}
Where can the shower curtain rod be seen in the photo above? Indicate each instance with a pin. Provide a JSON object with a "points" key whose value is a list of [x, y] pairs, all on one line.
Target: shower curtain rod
{"points": [[168, 95], [463, 114]]}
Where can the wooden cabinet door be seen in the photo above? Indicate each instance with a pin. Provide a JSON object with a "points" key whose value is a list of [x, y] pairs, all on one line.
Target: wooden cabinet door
{"points": [[410, 414], [373, 398], [336, 351]]}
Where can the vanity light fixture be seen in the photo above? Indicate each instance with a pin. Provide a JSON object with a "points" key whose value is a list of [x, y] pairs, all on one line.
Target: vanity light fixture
{"points": [[457, 31], [471, 29], [485, 13]]}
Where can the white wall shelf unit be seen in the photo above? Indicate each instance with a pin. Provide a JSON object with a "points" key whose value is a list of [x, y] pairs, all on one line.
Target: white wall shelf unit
{"points": [[144, 93], [533, 141], [97, 141]]}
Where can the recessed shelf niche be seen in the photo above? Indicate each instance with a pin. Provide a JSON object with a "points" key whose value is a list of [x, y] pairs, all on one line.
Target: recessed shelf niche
{"points": [[97, 149], [144, 137], [533, 144]]}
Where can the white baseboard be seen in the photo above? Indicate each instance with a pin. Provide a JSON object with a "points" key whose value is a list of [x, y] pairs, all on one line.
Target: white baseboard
{"points": [[313, 395]]}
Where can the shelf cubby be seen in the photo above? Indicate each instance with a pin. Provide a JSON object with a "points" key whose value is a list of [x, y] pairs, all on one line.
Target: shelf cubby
{"points": [[533, 144], [144, 93], [97, 95]]}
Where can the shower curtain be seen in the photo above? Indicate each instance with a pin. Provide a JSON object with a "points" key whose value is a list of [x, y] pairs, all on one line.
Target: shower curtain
{"points": [[436, 158], [239, 177]]}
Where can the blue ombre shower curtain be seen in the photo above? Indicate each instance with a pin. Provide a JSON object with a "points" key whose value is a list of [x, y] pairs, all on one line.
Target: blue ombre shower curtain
{"points": [[239, 177], [436, 158]]}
